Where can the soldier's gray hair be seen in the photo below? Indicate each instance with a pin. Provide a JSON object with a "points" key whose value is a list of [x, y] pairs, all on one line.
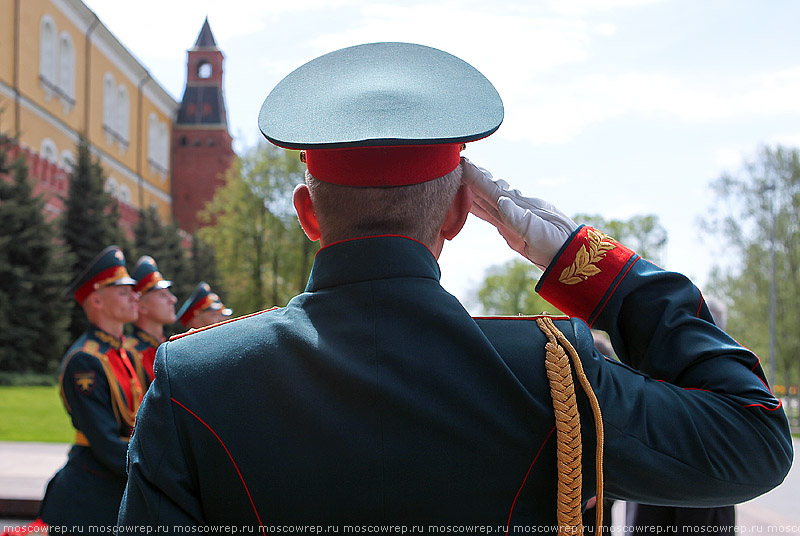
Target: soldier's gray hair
{"points": [[416, 211]]}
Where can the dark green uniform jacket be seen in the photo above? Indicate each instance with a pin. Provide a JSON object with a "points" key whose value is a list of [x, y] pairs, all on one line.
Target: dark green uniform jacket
{"points": [[374, 399], [101, 393]]}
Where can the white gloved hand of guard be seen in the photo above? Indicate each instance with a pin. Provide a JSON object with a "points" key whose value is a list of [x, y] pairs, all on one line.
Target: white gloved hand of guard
{"points": [[531, 226]]}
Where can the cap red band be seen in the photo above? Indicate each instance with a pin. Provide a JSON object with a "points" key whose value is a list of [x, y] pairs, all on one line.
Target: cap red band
{"points": [[395, 165], [103, 279], [148, 281], [196, 308]]}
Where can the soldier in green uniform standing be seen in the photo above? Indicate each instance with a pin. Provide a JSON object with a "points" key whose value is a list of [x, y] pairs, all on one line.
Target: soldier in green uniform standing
{"points": [[373, 402], [101, 392], [156, 309]]}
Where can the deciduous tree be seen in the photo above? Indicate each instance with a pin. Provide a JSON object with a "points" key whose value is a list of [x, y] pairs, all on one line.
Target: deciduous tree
{"points": [[756, 220], [509, 289], [262, 254]]}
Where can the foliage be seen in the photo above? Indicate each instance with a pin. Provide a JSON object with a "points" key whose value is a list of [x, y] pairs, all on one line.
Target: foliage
{"points": [[762, 198], [261, 251], [89, 220], [643, 234], [34, 414], [204, 265], [509, 289], [33, 318], [163, 242]]}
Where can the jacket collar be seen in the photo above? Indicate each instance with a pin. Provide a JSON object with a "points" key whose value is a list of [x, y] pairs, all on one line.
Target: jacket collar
{"points": [[366, 259], [104, 337], [143, 336]]}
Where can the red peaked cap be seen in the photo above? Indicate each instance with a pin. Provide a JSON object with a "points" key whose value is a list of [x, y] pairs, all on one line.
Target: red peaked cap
{"points": [[106, 269], [381, 114]]}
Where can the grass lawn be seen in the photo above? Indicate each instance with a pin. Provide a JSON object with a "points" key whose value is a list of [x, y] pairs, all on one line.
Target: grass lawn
{"points": [[33, 414]]}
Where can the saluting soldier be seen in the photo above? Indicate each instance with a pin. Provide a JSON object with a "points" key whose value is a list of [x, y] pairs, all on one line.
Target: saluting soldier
{"points": [[156, 309], [101, 392], [373, 399], [202, 308]]}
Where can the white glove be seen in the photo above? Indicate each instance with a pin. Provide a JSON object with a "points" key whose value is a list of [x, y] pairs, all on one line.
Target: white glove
{"points": [[532, 227]]}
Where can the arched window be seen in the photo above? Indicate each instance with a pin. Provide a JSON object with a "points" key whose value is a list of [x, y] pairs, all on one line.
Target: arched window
{"points": [[163, 152], [158, 145], [49, 151], [67, 161], [152, 134], [66, 61], [111, 186], [124, 194], [47, 49], [123, 112], [109, 109]]}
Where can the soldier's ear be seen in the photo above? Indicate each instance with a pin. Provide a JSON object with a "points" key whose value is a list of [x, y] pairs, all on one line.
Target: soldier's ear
{"points": [[458, 212], [305, 212]]}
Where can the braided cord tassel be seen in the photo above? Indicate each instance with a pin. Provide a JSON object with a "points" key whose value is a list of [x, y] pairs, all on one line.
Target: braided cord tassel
{"points": [[568, 431]]}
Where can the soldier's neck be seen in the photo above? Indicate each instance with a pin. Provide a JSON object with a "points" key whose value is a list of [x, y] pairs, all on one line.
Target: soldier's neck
{"points": [[110, 326], [151, 327]]}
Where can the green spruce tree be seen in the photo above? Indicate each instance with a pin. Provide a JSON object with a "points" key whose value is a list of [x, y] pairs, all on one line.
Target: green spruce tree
{"points": [[90, 220], [164, 242], [204, 266], [33, 274]]}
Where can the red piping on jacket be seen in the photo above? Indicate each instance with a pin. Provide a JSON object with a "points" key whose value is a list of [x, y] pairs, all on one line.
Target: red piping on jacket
{"points": [[546, 439], [193, 414]]}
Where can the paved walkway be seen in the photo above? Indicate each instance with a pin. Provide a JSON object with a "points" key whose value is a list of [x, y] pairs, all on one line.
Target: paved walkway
{"points": [[25, 469]]}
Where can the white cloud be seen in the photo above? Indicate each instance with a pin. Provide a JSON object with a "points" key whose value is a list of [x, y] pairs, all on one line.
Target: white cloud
{"points": [[785, 139], [730, 158], [577, 8], [557, 112]]}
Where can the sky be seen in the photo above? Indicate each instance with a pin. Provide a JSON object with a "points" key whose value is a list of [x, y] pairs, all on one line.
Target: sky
{"points": [[617, 108]]}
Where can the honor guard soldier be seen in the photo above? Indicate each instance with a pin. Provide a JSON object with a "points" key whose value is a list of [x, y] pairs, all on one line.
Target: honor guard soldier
{"points": [[101, 392], [202, 308], [373, 399], [156, 309]]}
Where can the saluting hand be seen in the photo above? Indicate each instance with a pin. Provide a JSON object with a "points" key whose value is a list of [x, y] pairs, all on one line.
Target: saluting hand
{"points": [[531, 226]]}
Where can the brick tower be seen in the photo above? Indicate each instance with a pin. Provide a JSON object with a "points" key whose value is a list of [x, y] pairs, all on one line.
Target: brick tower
{"points": [[201, 143]]}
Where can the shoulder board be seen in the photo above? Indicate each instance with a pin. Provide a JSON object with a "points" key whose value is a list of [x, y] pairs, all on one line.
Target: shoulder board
{"points": [[108, 339], [91, 347], [522, 317], [204, 328]]}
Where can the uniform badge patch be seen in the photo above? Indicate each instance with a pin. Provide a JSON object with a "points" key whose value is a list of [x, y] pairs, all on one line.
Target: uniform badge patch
{"points": [[84, 382]]}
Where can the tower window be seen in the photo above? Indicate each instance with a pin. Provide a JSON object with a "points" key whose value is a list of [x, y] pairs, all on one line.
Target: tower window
{"points": [[204, 70]]}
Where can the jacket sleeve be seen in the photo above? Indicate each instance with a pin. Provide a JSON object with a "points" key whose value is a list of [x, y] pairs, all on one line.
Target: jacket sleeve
{"points": [[689, 418], [87, 394], [161, 487]]}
